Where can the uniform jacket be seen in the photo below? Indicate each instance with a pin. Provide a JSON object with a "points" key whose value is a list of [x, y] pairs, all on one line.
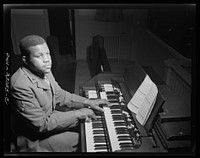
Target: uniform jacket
{"points": [[34, 102]]}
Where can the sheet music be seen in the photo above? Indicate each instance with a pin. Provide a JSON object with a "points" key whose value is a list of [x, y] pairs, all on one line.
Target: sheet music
{"points": [[136, 102], [143, 100]]}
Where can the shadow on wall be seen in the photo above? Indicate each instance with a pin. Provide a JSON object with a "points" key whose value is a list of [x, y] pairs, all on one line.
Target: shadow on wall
{"points": [[96, 57]]}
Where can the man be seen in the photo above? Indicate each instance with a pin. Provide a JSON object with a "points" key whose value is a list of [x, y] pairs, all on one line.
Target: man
{"points": [[36, 98]]}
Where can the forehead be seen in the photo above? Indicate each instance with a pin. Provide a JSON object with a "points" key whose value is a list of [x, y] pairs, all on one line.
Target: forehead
{"points": [[43, 48]]}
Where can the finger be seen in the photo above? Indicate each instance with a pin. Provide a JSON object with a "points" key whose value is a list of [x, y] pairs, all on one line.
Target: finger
{"points": [[98, 108], [87, 119], [92, 116], [103, 101], [106, 103]]}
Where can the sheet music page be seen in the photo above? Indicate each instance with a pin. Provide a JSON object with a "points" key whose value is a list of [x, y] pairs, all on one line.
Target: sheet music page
{"points": [[136, 102], [138, 98], [145, 110], [143, 100]]}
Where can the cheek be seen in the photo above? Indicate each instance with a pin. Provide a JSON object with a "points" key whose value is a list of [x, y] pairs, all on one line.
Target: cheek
{"points": [[37, 63]]}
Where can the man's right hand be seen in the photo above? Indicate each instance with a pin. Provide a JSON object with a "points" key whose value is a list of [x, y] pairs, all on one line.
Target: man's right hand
{"points": [[85, 113]]}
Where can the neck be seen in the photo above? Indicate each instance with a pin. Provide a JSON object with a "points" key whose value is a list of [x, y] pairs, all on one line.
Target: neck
{"points": [[41, 75]]}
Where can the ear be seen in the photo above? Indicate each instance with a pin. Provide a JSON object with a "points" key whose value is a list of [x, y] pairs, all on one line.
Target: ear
{"points": [[24, 59]]}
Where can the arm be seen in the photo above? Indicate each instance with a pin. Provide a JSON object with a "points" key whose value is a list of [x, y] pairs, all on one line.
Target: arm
{"points": [[32, 113], [64, 98]]}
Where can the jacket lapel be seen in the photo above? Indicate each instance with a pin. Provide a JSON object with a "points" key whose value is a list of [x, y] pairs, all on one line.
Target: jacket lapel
{"points": [[43, 84]]}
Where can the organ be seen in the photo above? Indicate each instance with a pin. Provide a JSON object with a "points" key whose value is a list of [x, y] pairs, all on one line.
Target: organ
{"points": [[117, 129]]}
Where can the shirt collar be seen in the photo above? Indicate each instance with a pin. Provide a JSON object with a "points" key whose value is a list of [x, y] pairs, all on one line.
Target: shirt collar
{"points": [[41, 83]]}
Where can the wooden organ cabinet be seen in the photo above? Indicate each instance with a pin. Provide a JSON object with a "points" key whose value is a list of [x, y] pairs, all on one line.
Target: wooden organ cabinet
{"points": [[117, 129]]}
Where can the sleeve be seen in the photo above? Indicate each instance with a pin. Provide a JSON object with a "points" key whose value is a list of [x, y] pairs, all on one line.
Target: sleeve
{"points": [[40, 121], [64, 98]]}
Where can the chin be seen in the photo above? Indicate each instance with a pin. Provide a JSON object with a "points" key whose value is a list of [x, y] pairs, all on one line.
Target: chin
{"points": [[47, 71]]}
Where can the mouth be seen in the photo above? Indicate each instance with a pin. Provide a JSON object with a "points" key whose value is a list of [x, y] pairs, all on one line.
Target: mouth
{"points": [[48, 67]]}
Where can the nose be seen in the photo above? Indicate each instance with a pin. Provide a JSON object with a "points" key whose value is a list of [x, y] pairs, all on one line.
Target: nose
{"points": [[46, 58]]}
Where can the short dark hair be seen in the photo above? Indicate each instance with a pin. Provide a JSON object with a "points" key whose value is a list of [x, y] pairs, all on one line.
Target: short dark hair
{"points": [[28, 41]]}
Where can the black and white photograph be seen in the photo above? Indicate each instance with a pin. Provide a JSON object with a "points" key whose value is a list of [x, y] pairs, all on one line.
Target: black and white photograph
{"points": [[99, 79]]}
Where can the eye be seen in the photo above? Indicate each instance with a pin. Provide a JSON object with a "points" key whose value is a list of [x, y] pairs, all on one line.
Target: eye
{"points": [[38, 56]]}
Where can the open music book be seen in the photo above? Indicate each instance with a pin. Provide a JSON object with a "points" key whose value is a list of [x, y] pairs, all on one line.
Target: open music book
{"points": [[143, 100]]}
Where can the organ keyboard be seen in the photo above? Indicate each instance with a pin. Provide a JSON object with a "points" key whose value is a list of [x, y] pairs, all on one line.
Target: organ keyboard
{"points": [[122, 132], [116, 129]]}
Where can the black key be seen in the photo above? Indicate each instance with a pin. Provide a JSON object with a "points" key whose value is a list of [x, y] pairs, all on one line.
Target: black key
{"points": [[100, 147], [113, 101], [111, 92], [98, 131], [112, 97], [115, 111], [121, 131], [97, 125], [119, 124], [117, 117], [99, 138], [97, 119], [125, 143], [99, 141], [114, 107], [127, 148], [124, 138]]}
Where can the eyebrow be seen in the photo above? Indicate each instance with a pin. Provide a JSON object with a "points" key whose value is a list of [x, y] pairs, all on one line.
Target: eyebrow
{"points": [[40, 53]]}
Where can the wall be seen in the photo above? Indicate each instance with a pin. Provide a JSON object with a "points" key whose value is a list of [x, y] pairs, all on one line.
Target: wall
{"points": [[28, 21], [37, 21], [138, 43], [86, 26], [25, 22], [149, 50]]}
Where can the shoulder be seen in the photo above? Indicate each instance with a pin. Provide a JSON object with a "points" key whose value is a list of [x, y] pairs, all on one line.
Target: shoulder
{"points": [[19, 78]]}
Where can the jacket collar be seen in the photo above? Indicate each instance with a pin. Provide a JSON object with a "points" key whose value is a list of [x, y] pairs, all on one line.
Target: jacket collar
{"points": [[41, 83]]}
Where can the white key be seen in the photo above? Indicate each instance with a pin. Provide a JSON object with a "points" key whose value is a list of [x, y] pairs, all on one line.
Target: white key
{"points": [[108, 87], [111, 130], [89, 137]]}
